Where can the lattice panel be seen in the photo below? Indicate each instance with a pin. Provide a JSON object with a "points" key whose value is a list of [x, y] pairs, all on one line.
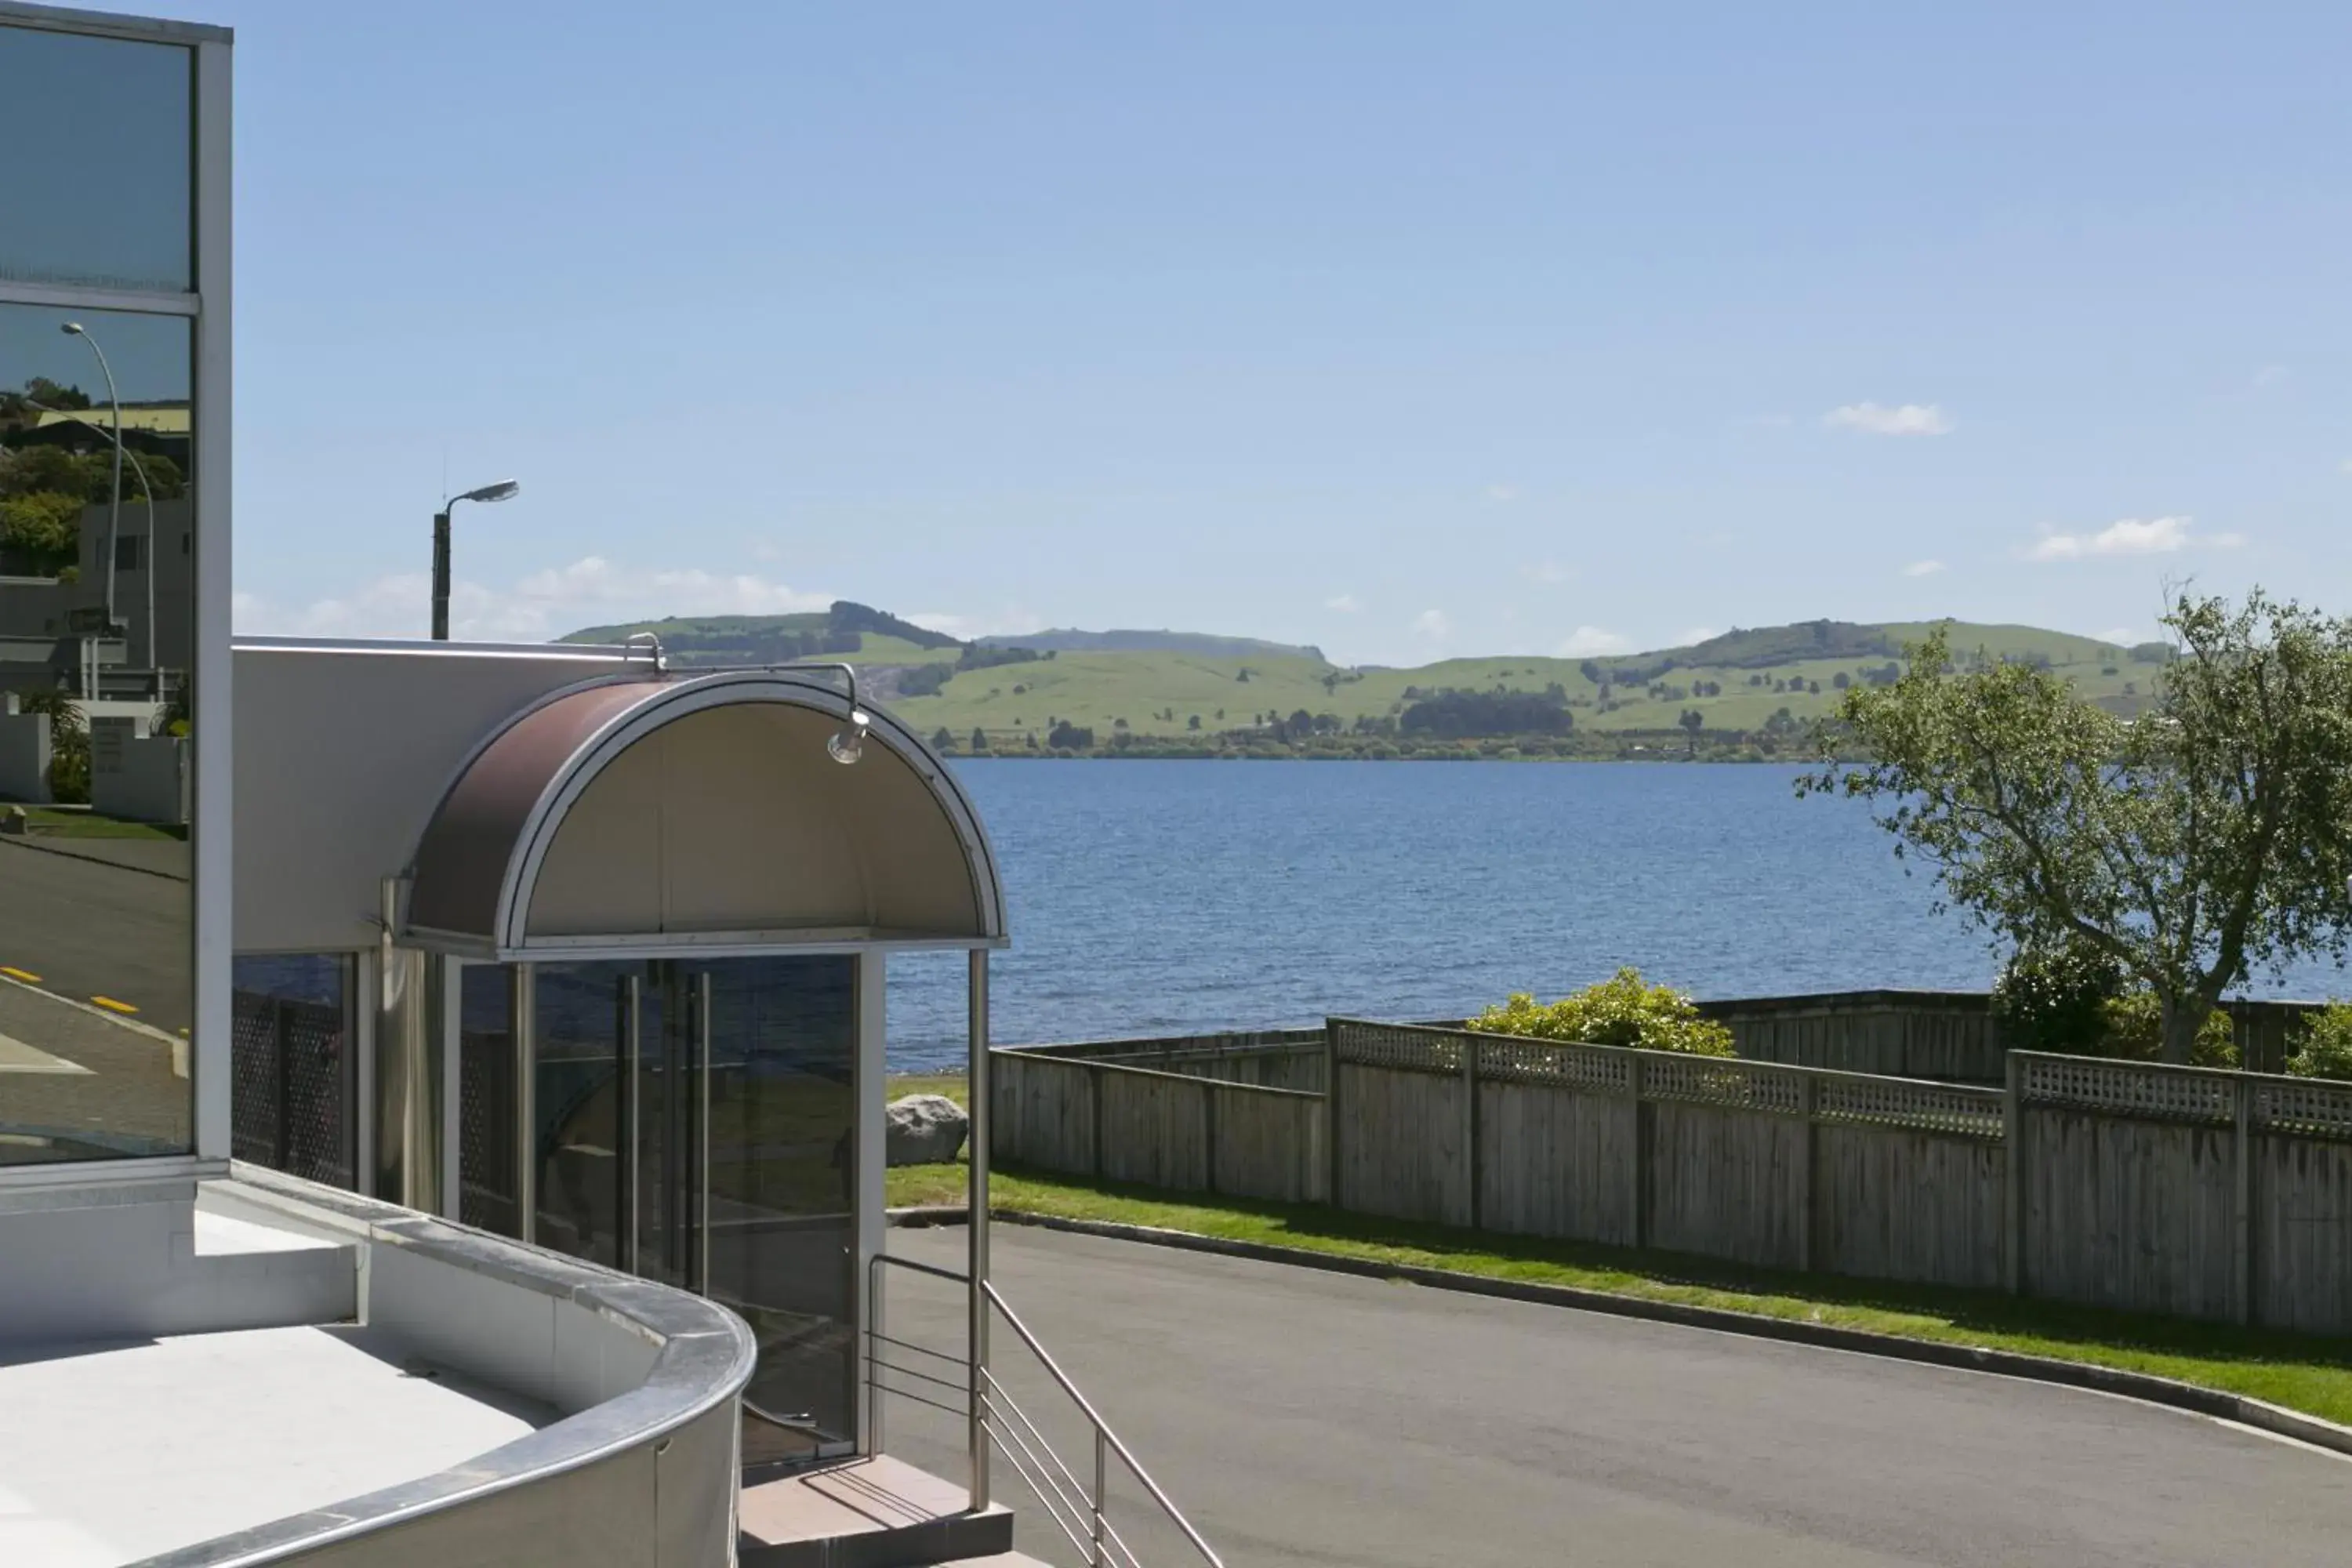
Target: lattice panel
{"points": [[2169, 1094], [1975, 1112], [1393, 1045], [289, 1087], [1508, 1060], [1713, 1080], [2314, 1109], [253, 1078]]}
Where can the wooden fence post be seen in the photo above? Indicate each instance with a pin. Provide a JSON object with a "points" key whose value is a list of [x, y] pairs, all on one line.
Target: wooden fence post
{"points": [[1209, 1131], [2241, 1228], [1095, 1116], [1331, 1111], [1470, 1124], [2012, 1143], [1808, 1179], [1639, 1187]]}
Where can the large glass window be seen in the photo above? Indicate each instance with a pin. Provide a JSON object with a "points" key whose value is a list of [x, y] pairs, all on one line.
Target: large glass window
{"points": [[487, 1166], [97, 189], [96, 914], [292, 1084]]}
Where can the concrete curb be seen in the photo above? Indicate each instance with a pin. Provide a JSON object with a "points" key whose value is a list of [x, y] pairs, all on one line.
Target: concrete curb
{"points": [[2275, 1419], [94, 858]]}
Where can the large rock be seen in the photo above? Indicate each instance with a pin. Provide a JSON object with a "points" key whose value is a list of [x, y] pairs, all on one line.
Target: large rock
{"points": [[925, 1129]]}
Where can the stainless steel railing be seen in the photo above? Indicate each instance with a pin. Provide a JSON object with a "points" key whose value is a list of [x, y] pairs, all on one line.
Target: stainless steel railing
{"points": [[1075, 1505]]}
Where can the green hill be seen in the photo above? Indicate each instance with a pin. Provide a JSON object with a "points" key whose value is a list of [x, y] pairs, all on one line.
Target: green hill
{"points": [[1738, 682], [1197, 688], [1063, 640], [855, 633]]}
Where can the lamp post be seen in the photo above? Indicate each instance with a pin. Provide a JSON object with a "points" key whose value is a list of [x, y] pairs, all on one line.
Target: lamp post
{"points": [[504, 489], [114, 489], [154, 663]]}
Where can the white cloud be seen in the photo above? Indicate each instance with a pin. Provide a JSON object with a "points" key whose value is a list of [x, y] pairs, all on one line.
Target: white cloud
{"points": [[2131, 536], [1502, 494], [2122, 636], [1878, 419], [2346, 466], [1695, 635], [1346, 604], [1585, 642], [1923, 569], [1432, 624], [1551, 573], [1008, 624], [545, 603], [2270, 375]]}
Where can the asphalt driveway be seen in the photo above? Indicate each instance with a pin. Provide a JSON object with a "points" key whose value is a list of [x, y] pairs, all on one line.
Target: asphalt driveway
{"points": [[1311, 1418]]}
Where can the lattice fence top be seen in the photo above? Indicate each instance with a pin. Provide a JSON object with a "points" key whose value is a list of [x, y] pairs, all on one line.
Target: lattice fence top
{"points": [[1976, 1112], [2170, 1094], [1844, 1097], [2308, 1106], [1717, 1080], [1508, 1060], [1403, 1047]]}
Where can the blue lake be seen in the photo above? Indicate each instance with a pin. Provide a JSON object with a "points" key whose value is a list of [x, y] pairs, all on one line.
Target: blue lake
{"points": [[1179, 897]]}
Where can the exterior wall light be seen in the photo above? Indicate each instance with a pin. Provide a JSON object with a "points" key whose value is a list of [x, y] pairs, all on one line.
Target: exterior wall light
{"points": [[847, 745]]}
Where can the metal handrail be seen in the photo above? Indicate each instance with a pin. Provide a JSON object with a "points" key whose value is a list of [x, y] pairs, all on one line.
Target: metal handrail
{"points": [[1005, 1422], [1104, 1435]]}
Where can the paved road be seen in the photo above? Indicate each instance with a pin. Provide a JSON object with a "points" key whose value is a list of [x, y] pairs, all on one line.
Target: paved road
{"points": [[1310, 1419], [90, 930]]}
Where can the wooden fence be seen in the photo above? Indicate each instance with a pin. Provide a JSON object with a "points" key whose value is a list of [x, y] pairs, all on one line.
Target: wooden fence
{"points": [[1179, 1130], [2168, 1190]]}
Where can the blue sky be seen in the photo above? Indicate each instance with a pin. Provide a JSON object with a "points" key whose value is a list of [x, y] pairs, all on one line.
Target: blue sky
{"points": [[1404, 330]]}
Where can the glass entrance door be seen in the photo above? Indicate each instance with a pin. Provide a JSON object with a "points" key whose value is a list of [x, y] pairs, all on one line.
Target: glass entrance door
{"points": [[697, 1125]]}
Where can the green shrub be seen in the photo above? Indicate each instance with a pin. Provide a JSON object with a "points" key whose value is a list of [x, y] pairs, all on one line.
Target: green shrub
{"points": [[2323, 1049], [2056, 1000], [1620, 1011], [2135, 1032]]}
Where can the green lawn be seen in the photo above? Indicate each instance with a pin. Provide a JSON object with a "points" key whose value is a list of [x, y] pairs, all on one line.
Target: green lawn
{"points": [[2313, 1375], [51, 822]]}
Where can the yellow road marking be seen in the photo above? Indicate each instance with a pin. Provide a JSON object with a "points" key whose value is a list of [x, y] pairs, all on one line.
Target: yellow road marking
{"points": [[111, 1005], [26, 976]]}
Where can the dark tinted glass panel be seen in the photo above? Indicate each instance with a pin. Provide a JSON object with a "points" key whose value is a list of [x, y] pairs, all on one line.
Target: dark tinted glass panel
{"points": [[291, 1056], [487, 1165], [94, 734], [582, 1013], [782, 1241], [97, 188]]}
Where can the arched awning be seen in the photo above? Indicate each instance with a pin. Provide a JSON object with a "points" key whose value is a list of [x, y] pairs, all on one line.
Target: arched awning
{"points": [[703, 812]]}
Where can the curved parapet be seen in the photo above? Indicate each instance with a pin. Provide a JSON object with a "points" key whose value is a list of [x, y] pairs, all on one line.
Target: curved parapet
{"points": [[625, 1393]]}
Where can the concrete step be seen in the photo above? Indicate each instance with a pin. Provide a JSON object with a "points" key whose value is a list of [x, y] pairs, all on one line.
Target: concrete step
{"points": [[876, 1512]]}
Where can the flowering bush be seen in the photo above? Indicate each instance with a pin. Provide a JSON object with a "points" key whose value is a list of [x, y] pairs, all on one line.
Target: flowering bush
{"points": [[2324, 1048], [1619, 1011]]}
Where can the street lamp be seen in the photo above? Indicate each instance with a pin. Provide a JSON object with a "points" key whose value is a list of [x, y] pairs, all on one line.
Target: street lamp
{"points": [[505, 490], [114, 489], [154, 659]]}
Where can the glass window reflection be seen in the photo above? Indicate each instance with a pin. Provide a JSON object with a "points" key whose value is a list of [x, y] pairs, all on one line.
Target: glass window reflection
{"points": [[96, 649], [99, 192]]}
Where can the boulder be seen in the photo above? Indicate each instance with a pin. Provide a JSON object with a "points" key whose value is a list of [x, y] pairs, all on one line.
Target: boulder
{"points": [[925, 1129]]}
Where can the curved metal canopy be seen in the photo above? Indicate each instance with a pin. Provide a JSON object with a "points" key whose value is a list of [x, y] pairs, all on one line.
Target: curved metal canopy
{"points": [[633, 816]]}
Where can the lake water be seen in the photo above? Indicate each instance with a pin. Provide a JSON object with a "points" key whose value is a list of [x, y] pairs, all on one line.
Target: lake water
{"points": [[1152, 898]]}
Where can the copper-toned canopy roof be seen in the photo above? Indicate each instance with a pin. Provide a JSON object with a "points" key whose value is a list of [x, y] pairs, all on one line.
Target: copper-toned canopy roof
{"points": [[638, 814]]}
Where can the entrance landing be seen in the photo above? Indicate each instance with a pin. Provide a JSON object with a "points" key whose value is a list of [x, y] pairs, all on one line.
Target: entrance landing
{"points": [[876, 1512]]}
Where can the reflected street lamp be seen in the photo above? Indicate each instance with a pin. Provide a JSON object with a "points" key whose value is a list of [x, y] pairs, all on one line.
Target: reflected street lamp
{"points": [[505, 490], [154, 659], [114, 489]]}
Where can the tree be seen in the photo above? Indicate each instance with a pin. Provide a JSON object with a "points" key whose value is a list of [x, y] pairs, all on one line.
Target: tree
{"points": [[1841, 680], [1194, 722], [2210, 836], [942, 739], [980, 737], [1692, 721]]}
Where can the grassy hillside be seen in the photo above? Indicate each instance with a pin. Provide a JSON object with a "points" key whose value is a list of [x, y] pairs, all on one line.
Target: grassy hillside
{"points": [[1740, 681], [1159, 694], [1202, 644]]}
